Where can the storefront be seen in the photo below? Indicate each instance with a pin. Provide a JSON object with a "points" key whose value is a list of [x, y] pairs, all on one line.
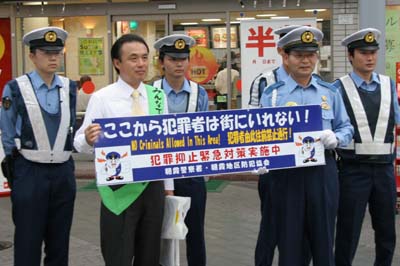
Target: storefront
{"points": [[215, 25]]}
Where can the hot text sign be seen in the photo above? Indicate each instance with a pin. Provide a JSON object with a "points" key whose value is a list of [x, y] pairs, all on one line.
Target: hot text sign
{"points": [[137, 149]]}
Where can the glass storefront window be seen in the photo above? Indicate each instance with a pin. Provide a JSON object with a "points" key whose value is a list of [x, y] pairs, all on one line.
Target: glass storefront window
{"points": [[214, 48]]}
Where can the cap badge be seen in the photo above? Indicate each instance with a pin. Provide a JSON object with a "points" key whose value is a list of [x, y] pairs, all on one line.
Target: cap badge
{"points": [[307, 37], [50, 36], [180, 44], [369, 37]]}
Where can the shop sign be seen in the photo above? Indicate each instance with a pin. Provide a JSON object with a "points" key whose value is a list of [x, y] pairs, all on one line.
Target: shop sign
{"points": [[91, 56], [203, 65]]}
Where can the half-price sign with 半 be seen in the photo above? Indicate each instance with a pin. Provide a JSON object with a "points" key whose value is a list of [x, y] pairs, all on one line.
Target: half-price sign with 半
{"points": [[147, 148]]}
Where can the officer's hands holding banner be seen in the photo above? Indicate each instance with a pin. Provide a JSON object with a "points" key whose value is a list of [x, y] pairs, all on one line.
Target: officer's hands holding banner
{"points": [[328, 139]]}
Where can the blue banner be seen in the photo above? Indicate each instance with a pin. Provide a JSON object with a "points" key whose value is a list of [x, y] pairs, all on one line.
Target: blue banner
{"points": [[146, 148]]}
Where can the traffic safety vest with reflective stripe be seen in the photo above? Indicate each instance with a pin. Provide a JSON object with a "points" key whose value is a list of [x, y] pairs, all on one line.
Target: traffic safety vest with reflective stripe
{"points": [[256, 92], [365, 147], [44, 153], [193, 96]]}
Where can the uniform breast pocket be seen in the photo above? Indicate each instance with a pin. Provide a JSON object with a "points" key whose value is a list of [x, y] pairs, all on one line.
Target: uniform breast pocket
{"points": [[327, 117]]}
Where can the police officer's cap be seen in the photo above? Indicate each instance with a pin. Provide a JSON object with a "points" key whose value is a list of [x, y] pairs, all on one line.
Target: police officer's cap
{"points": [[47, 38], [284, 30], [365, 39], [175, 45], [303, 38]]}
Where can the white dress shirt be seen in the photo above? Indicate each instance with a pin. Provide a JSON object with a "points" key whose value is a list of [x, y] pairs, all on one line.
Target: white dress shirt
{"points": [[113, 100]]}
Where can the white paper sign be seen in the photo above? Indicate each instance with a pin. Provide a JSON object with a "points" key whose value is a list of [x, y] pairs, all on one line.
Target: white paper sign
{"points": [[258, 48]]}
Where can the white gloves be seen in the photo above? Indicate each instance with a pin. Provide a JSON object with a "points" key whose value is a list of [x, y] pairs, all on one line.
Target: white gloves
{"points": [[328, 139], [260, 171]]}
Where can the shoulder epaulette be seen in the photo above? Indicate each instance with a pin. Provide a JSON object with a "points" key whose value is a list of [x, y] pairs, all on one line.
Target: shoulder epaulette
{"points": [[327, 85], [274, 86], [315, 75]]}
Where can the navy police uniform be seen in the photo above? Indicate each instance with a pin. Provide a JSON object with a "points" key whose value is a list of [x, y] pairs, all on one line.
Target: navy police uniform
{"points": [[304, 200], [36, 124], [190, 98], [366, 174]]}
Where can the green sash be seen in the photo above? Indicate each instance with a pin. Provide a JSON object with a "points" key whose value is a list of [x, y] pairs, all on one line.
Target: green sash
{"points": [[120, 199]]}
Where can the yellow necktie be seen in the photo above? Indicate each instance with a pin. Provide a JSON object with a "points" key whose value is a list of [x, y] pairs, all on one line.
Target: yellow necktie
{"points": [[136, 106]]}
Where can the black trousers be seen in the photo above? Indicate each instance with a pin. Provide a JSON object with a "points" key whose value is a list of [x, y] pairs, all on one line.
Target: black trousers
{"points": [[195, 241], [363, 184], [303, 205], [267, 240], [133, 237], [42, 198]]}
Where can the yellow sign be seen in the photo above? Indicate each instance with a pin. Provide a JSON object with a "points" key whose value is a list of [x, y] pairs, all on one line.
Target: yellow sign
{"points": [[91, 56], [203, 65]]}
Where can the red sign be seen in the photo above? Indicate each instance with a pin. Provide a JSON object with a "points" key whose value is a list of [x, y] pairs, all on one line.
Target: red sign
{"points": [[260, 39], [5, 52]]}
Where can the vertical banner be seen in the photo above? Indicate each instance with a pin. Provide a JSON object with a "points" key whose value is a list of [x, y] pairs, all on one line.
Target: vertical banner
{"points": [[5, 52], [392, 41], [258, 45]]}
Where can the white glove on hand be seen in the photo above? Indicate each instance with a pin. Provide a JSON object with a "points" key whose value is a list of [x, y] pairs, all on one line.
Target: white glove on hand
{"points": [[328, 139], [260, 171]]}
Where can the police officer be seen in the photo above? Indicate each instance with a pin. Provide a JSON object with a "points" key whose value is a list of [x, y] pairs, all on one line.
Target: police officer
{"points": [[183, 96], [366, 174], [267, 237], [305, 199], [265, 79], [37, 124]]}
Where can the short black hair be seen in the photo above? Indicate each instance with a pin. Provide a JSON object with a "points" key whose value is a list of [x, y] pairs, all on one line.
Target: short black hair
{"points": [[116, 48], [161, 56]]}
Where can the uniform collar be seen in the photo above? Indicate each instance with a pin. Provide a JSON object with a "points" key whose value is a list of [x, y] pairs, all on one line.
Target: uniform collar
{"points": [[291, 84], [281, 73], [125, 90], [168, 89], [359, 81], [38, 82]]}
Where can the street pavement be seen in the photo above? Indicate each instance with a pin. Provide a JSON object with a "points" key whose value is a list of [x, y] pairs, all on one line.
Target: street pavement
{"points": [[232, 221]]}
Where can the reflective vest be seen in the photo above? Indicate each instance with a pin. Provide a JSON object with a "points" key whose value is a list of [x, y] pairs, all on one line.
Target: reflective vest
{"points": [[193, 96], [256, 92], [118, 198], [373, 118], [44, 153]]}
